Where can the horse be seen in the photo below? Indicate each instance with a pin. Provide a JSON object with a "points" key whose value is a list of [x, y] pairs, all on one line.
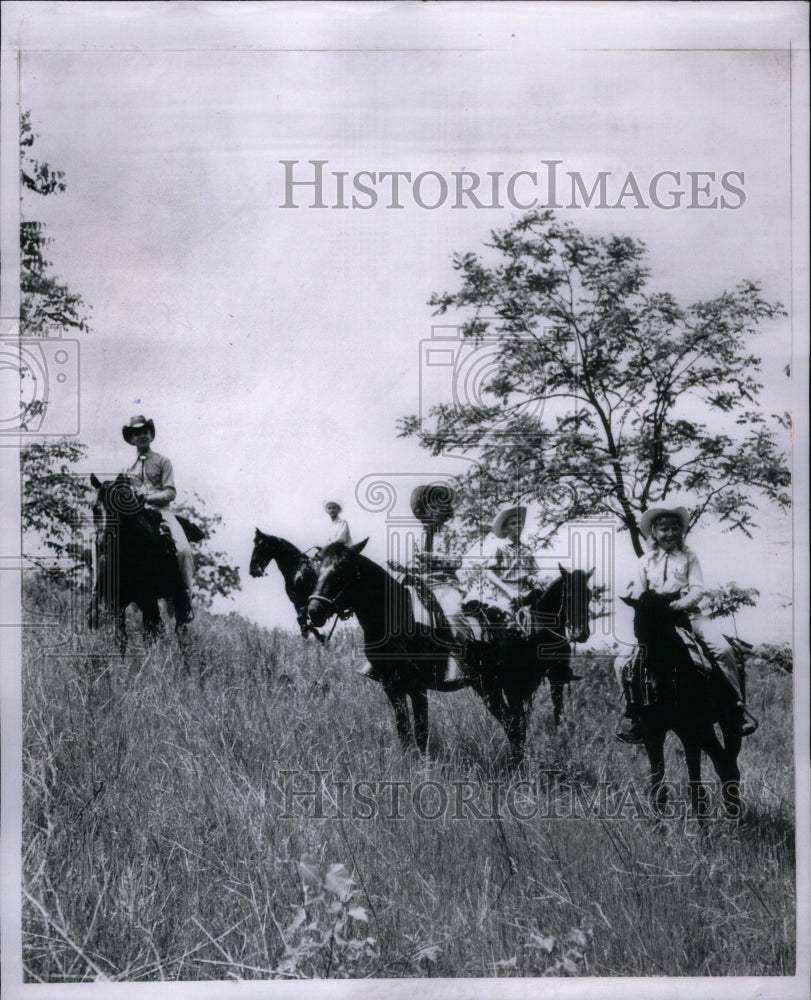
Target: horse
{"points": [[409, 659], [136, 560], [298, 570], [534, 644], [675, 694]]}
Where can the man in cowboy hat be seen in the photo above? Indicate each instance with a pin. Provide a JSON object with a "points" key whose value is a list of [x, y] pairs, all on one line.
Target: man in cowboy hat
{"points": [[671, 567], [339, 529], [153, 478]]}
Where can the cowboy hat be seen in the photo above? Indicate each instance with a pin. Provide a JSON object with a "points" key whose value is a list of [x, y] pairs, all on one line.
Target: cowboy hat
{"points": [[433, 502], [337, 503], [135, 424], [504, 515], [653, 515]]}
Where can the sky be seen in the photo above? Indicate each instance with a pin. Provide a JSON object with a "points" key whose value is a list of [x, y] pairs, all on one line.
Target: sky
{"points": [[275, 348]]}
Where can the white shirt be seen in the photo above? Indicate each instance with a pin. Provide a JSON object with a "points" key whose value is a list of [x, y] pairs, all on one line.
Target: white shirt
{"points": [[671, 572], [339, 532]]}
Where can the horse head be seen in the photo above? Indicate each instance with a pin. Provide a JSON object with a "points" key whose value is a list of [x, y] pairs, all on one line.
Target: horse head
{"points": [[333, 589], [563, 607], [655, 620], [264, 551], [115, 500]]}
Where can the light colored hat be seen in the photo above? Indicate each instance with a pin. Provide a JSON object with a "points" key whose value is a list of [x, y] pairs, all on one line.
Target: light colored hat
{"points": [[652, 515], [337, 503], [135, 424], [504, 515]]}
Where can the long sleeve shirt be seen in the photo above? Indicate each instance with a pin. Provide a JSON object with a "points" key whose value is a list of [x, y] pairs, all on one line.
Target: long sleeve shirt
{"points": [[154, 472], [339, 532], [671, 572]]}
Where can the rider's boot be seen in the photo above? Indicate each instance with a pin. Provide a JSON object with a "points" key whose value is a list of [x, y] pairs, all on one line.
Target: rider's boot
{"points": [[630, 730], [744, 723]]}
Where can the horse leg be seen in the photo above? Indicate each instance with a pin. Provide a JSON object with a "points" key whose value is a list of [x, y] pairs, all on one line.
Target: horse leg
{"points": [[400, 705], [558, 674], [121, 629], [725, 762], [655, 747], [517, 732], [692, 755], [153, 623], [419, 704]]}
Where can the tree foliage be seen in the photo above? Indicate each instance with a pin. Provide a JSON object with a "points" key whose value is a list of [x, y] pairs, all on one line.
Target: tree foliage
{"points": [[56, 513], [602, 397], [56, 516], [47, 305]]}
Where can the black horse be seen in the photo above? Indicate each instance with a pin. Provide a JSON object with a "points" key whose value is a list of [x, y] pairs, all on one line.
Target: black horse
{"points": [[297, 568], [671, 692], [505, 668], [136, 560]]}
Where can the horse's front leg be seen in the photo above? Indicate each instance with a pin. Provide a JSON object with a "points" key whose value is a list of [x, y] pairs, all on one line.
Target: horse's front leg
{"points": [[558, 674], [517, 732], [725, 762], [655, 747], [400, 705], [698, 793], [153, 623], [419, 704], [121, 629]]}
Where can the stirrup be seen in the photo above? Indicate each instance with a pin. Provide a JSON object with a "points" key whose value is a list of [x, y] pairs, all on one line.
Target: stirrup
{"points": [[746, 728]]}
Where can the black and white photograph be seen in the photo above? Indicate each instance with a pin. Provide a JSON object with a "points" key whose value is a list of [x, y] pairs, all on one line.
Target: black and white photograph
{"points": [[404, 451]]}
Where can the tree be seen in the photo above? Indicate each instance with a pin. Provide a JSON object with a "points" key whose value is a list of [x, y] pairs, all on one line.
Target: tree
{"points": [[46, 303], [56, 513], [600, 397], [53, 496], [55, 506]]}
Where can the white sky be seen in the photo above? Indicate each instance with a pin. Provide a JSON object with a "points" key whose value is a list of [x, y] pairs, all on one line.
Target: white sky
{"points": [[275, 349]]}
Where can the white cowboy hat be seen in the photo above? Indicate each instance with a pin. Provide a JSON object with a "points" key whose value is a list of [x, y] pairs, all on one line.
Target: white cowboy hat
{"points": [[655, 513], [337, 503], [504, 515]]}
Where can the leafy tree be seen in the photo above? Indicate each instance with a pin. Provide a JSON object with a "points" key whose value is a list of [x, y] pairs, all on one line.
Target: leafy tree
{"points": [[602, 397], [55, 506], [726, 601], [46, 303], [56, 516], [54, 498]]}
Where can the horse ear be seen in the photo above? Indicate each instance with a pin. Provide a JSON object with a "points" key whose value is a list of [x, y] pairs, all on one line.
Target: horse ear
{"points": [[590, 573], [630, 601], [94, 481], [562, 570], [355, 549]]}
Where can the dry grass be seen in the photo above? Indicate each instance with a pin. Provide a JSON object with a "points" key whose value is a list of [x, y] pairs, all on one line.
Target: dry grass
{"points": [[161, 841]]}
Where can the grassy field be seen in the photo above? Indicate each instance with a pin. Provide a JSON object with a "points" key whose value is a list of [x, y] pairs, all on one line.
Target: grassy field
{"points": [[169, 834]]}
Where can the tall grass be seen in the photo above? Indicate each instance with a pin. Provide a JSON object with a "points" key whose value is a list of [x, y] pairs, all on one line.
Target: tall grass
{"points": [[162, 839]]}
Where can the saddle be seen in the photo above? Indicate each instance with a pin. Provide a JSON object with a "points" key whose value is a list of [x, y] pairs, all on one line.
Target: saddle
{"points": [[642, 685]]}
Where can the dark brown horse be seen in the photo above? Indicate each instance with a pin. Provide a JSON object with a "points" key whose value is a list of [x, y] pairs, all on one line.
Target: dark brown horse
{"points": [[136, 560], [297, 568], [673, 694], [409, 659]]}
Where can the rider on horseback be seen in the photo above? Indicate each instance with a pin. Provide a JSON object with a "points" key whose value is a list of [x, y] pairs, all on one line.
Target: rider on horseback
{"points": [[338, 529], [671, 567], [153, 478]]}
